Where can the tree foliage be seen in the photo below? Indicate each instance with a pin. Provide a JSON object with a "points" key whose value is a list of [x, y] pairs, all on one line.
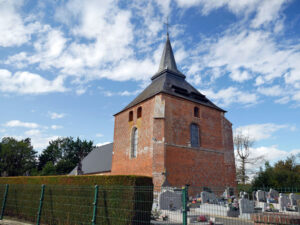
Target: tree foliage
{"points": [[63, 154], [284, 173], [17, 158]]}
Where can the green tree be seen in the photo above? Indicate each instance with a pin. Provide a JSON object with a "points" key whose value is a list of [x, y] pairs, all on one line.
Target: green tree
{"points": [[65, 153], [17, 158], [48, 169], [53, 153], [284, 173]]}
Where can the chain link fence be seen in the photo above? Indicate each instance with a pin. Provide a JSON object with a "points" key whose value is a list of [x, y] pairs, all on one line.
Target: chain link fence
{"points": [[57, 204]]}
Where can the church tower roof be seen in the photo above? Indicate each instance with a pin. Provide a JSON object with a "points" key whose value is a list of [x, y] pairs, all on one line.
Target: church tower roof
{"points": [[167, 60], [170, 80]]}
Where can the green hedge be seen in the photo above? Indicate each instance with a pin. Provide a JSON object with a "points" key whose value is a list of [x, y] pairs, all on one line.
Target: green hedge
{"points": [[122, 200]]}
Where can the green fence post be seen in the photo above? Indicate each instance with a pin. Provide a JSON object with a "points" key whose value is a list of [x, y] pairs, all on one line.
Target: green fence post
{"points": [[184, 205], [4, 201], [41, 205], [95, 205]]}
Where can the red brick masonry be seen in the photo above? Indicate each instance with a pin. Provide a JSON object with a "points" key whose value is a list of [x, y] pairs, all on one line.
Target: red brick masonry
{"points": [[275, 218], [164, 150]]}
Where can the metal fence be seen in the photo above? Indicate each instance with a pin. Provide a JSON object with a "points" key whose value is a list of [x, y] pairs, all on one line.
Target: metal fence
{"points": [[134, 205]]}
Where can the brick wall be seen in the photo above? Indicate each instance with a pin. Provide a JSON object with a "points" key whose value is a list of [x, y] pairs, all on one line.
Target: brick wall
{"points": [[122, 163], [212, 164], [164, 144]]}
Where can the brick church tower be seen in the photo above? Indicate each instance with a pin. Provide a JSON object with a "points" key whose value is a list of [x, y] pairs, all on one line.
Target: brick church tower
{"points": [[174, 134]]}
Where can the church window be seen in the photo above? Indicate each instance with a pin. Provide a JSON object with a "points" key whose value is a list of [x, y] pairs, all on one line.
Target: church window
{"points": [[134, 142], [194, 135], [130, 116], [196, 112], [139, 112]]}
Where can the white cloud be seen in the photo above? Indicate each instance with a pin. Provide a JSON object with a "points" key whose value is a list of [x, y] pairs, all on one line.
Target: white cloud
{"points": [[33, 132], [99, 135], [266, 153], [102, 143], [56, 127], [267, 11], [12, 28], [80, 91], [272, 153], [18, 123], [275, 90], [262, 131], [42, 141], [28, 83], [283, 100], [240, 76], [108, 49], [121, 93], [230, 95], [54, 115]]}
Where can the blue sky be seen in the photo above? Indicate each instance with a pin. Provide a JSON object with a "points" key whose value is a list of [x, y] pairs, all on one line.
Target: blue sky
{"points": [[67, 66]]}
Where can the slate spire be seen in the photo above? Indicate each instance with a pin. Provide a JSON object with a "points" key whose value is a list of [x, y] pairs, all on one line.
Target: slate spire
{"points": [[167, 59]]}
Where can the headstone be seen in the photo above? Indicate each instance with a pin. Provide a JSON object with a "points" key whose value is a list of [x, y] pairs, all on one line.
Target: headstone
{"points": [[273, 194], [261, 196], [254, 196], [207, 197], [228, 193], [283, 201], [246, 206], [292, 199], [170, 200], [244, 194], [204, 197]]}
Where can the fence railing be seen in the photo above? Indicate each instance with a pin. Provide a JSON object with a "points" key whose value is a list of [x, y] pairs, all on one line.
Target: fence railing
{"points": [[118, 205]]}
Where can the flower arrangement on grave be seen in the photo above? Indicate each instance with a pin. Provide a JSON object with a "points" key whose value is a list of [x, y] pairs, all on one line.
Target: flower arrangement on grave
{"points": [[201, 218]]}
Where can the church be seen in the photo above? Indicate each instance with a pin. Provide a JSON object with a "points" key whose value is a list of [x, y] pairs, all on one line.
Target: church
{"points": [[170, 132]]}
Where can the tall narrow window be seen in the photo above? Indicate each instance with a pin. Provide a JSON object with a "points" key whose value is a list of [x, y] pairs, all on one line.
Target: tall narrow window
{"points": [[139, 112], [130, 116], [196, 112], [194, 135], [134, 142]]}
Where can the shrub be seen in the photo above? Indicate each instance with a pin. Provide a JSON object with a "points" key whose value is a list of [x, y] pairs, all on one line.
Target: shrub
{"points": [[122, 200]]}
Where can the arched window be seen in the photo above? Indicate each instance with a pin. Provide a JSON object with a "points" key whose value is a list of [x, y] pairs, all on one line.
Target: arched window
{"points": [[139, 112], [194, 135], [196, 112], [130, 116], [134, 142]]}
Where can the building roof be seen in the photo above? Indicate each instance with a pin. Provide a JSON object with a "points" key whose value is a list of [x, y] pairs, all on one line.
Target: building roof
{"points": [[167, 60], [170, 80], [97, 161]]}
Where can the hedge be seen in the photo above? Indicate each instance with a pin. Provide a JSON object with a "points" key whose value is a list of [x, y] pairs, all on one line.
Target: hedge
{"points": [[122, 200]]}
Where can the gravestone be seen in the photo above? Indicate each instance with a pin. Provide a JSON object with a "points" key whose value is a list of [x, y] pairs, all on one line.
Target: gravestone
{"points": [[246, 207], [207, 197], [292, 199], [283, 201], [170, 200], [228, 192], [261, 196], [254, 196], [244, 194], [273, 194]]}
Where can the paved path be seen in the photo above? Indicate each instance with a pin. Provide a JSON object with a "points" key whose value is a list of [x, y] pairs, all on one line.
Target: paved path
{"points": [[12, 222]]}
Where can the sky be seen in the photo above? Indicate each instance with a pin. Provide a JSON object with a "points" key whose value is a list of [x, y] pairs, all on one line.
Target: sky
{"points": [[67, 66]]}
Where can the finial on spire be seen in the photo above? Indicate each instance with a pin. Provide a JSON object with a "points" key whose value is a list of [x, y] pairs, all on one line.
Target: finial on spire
{"points": [[167, 24]]}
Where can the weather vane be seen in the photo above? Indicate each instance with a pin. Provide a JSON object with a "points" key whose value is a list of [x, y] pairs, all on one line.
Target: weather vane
{"points": [[167, 24]]}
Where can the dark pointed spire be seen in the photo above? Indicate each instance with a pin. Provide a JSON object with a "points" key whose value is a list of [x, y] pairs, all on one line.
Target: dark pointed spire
{"points": [[167, 59]]}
